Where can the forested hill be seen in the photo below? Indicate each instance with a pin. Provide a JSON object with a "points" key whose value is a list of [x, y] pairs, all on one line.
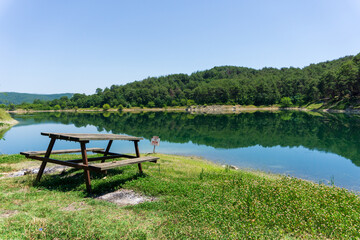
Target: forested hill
{"points": [[18, 98], [332, 80], [336, 82]]}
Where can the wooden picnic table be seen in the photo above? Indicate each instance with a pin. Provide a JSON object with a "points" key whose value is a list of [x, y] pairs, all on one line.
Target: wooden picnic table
{"points": [[83, 163]]}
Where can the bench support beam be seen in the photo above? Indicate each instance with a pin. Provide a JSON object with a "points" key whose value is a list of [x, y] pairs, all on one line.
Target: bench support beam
{"points": [[43, 164], [107, 150], [36, 153], [66, 163], [138, 155], [86, 171]]}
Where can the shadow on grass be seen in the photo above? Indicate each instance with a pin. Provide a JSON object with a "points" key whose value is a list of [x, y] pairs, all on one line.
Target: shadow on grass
{"points": [[73, 179]]}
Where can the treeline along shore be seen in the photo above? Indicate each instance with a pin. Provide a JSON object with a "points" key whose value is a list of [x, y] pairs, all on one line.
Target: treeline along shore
{"points": [[329, 85]]}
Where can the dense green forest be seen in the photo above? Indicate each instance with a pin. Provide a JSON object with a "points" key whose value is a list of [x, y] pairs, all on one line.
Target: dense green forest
{"points": [[331, 82], [286, 129], [18, 98]]}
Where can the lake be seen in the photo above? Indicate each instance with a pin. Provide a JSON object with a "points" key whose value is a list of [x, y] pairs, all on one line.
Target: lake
{"points": [[321, 147]]}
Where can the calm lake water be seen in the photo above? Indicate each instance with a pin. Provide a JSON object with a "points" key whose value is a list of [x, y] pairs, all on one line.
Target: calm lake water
{"points": [[320, 147]]}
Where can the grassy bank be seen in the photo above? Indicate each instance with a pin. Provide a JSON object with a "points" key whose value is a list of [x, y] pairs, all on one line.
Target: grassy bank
{"points": [[5, 120], [4, 116], [196, 199]]}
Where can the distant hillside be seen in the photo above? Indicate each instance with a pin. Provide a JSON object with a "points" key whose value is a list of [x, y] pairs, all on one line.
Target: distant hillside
{"points": [[330, 81], [18, 98], [332, 84]]}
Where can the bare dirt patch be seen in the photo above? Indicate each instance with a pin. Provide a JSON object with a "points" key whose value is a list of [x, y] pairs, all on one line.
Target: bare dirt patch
{"points": [[8, 213], [124, 197], [75, 206], [28, 171]]}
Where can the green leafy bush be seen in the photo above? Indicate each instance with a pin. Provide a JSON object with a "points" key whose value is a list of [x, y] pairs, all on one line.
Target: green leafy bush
{"points": [[106, 107], [286, 102], [151, 104], [57, 108]]}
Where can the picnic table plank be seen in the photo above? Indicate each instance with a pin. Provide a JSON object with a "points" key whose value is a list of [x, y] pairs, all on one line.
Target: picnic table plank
{"points": [[115, 154], [90, 159], [34, 153], [66, 163], [81, 137], [110, 165]]}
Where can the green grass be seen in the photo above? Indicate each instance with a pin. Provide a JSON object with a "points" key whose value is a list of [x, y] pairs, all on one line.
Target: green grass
{"points": [[196, 200], [343, 104], [314, 106], [15, 162], [15, 158], [4, 115]]}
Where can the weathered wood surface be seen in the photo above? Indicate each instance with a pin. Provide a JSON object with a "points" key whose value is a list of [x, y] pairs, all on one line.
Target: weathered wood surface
{"points": [[65, 163], [107, 149], [110, 165], [115, 154], [85, 162], [98, 158], [43, 164], [83, 137], [35, 153], [97, 167], [136, 145]]}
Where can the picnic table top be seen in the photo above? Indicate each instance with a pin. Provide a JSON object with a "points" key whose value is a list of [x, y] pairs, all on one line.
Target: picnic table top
{"points": [[90, 136]]}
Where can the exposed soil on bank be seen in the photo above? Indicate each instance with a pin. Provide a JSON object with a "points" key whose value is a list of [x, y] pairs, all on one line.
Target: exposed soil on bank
{"points": [[124, 197]]}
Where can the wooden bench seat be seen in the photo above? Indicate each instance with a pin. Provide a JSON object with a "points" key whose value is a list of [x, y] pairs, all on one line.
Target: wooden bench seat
{"points": [[109, 165], [36, 153]]}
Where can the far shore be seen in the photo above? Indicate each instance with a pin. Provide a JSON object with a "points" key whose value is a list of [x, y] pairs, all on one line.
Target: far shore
{"points": [[196, 109]]}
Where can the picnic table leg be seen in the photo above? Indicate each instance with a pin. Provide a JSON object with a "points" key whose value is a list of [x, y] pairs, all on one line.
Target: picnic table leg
{"points": [[86, 171], [138, 154], [43, 164], [107, 150]]}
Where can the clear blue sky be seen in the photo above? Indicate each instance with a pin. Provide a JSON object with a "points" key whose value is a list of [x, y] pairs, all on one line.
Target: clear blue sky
{"points": [[79, 45]]}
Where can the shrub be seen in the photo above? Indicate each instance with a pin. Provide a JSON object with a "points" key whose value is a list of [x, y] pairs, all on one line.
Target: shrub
{"points": [[106, 107], [286, 102], [57, 107], [12, 107], [183, 102], [174, 103], [151, 104], [190, 102]]}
